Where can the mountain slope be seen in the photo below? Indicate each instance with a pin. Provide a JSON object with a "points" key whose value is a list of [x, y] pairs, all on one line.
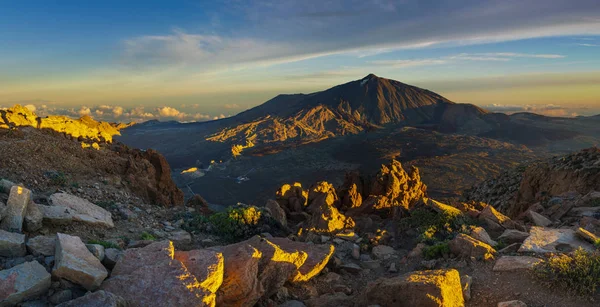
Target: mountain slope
{"points": [[349, 108]]}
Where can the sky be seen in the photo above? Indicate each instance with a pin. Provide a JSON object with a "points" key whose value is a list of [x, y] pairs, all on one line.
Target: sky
{"points": [[195, 60]]}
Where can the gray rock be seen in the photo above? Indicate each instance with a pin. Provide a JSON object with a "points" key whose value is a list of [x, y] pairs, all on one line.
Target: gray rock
{"points": [[515, 263], [480, 234], [17, 203], [83, 210], [97, 299], [74, 262], [546, 240], [181, 237], [97, 250], [111, 256], [513, 236], [466, 282], [515, 303], [24, 281], [42, 245], [56, 215], [5, 186], [12, 244], [355, 251], [351, 268], [276, 212], [538, 219], [292, 303], [33, 218], [383, 252], [61, 296]]}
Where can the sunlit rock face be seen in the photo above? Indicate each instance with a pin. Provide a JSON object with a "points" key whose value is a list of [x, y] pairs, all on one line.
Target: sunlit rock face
{"points": [[85, 128]]}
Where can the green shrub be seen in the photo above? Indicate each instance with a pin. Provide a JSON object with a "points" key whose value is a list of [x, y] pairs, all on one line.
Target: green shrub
{"points": [[237, 223], [106, 244], [148, 236], [58, 179], [433, 226], [436, 251], [579, 272]]}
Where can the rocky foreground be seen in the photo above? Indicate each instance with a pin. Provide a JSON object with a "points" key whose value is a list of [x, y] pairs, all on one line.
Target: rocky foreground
{"points": [[377, 241]]}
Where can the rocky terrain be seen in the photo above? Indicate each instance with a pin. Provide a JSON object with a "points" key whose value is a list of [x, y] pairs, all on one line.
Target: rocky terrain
{"points": [[370, 241]]}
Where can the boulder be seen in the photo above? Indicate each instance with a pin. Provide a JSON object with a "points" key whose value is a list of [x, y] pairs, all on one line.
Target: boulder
{"points": [[83, 210], [480, 234], [22, 282], [513, 236], [151, 276], [383, 252], [74, 262], [465, 246], [55, 215], [489, 213], [16, 207], [33, 218], [199, 204], [403, 188], [97, 299], [515, 263], [277, 212], [12, 244], [206, 265], [292, 198], [325, 217], [111, 256], [42, 245], [515, 303], [435, 288], [538, 219], [97, 250], [5, 186], [258, 267], [547, 240], [588, 236]]}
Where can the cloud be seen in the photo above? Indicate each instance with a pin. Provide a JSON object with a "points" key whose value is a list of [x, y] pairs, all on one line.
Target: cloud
{"points": [[275, 32], [589, 45], [117, 111], [30, 107], [169, 112], [232, 106], [84, 111], [548, 109], [497, 56]]}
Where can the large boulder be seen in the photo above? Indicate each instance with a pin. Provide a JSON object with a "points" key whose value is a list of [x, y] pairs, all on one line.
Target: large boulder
{"points": [[437, 288], [33, 218], [258, 267], [12, 244], [547, 240], [292, 198], [510, 236], [515, 263], [480, 234], [151, 276], [490, 214], [465, 246], [21, 282], [97, 299], [206, 265], [74, 262], [18, 200], [277, 212], [82, 210]]}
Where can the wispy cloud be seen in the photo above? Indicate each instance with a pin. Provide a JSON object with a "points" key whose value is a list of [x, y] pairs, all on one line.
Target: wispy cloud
{"points": [[493, 57]]}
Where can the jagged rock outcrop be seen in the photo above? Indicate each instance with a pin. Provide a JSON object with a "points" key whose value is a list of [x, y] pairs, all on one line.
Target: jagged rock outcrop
{"points": [[149, 176], [516, 190]]}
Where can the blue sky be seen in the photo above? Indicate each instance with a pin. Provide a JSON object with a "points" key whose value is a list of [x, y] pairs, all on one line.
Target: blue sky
{"points": [[197, 60]]}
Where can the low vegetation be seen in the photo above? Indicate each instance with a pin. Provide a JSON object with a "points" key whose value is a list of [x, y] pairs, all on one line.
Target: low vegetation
{"points": [[148, 236], [579, 272], [105, 244]]}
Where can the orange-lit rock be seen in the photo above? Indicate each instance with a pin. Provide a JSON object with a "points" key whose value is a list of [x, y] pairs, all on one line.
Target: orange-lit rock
{"points": [[465, 246], [292, 198], [150, 276], [403, 188], [258, 267], [437, 288]]}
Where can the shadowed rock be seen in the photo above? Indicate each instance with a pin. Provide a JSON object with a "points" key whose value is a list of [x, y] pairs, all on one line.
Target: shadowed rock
{"points": [[22, 282], [74, 262]]}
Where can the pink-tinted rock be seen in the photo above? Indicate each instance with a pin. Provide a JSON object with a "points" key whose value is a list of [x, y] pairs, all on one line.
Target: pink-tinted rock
{"points": [[74, 262]]}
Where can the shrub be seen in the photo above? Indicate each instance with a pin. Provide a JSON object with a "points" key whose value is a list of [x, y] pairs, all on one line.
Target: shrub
{"points": [[434, 226], [237, 223], [58, 178], [148, 236], [436, 251], [579, 272]]}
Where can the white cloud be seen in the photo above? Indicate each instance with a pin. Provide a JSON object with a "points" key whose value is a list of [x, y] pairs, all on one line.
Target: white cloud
{"points": [[30, 107], [169, 112], [408, 63], [492, 57], [117, 111], [232, 106], [84, 111]]}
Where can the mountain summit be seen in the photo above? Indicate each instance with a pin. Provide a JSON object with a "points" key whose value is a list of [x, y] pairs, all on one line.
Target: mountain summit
{"points": [[344, 109]]}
